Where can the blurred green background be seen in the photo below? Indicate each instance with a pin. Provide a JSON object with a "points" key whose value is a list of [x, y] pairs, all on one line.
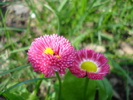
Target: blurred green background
{"points": [[103, 25]]}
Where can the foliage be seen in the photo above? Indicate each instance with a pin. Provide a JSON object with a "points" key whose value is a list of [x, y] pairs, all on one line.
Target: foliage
{"points": [[101, 22]]}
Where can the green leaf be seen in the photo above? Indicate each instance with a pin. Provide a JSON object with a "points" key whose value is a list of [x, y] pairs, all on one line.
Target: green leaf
{"points": [[19, 95], [11, 96], [73, 88], [104, 89], [20, 92], [91, 90]]}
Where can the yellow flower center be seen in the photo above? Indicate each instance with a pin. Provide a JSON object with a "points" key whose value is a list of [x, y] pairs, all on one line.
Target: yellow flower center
{"points": [[48, 51], [51, 52], [89, 66]]}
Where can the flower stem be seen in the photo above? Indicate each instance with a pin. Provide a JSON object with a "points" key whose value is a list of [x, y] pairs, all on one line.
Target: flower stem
{"points": [[85, 87], [59, 79]]}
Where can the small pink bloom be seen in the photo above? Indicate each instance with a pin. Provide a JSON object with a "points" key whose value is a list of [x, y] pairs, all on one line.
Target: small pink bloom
{"points": [[51, 53], [91, 64]]}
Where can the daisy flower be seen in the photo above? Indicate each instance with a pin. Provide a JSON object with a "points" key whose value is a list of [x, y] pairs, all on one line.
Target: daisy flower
{"points": [[51, 53], [91, 64]]}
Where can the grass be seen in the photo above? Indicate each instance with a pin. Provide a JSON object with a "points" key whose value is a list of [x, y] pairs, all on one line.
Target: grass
{"points": [[102, 22]]}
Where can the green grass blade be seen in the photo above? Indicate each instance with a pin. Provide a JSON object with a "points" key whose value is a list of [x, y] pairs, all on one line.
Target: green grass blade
{"points": [[120, 71], [27, 81], [13, 29], [83, 17], [62, 5], [15, 51], [78, 40], [18, 68], [56, 14]]}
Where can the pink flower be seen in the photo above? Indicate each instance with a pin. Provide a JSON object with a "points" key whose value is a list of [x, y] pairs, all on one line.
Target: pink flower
{"points": [[51, 53], [91, 64]]}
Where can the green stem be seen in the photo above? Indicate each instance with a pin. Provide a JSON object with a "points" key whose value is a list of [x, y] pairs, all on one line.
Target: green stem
{"points": [[85, 87], [59, 93]]}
